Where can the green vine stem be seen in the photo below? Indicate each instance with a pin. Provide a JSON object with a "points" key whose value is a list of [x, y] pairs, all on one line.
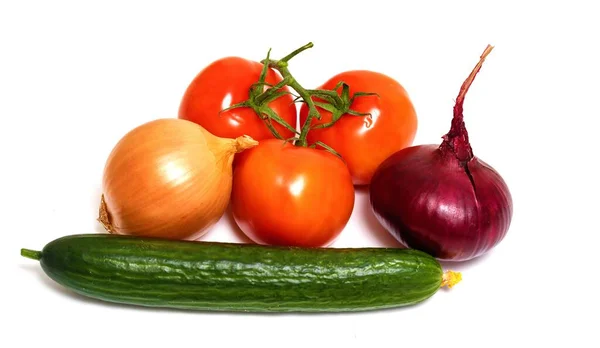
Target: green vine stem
{"points": [[329, 100], [282, 66], [259, 101]]}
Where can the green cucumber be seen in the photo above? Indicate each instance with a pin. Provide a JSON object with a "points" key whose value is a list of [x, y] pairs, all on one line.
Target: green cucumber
{"points": [[213, 276]]}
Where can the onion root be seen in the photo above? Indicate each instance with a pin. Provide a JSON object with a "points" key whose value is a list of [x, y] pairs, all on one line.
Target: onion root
{"points": [[104, 217]]}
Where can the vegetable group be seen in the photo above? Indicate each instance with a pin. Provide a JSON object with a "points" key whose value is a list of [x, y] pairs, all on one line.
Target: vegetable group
{"points": [[441, 198], [168, 178], [291, 190], [240, 277]]}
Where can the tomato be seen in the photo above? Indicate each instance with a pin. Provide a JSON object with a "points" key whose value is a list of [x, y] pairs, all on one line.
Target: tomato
{"points": [[366, 141], [293, 196], [225, 82]]}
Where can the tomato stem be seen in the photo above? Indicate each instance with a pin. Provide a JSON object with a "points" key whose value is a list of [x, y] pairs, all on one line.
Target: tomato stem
{"points": [[259, 100], [312, 109], [272, 91], [281, 65], [258, 88], [296, 52], [337, 104]]}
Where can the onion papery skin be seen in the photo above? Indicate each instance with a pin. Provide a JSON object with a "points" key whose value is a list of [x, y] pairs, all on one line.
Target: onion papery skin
{"points": [[425, 198], [168, 178]]}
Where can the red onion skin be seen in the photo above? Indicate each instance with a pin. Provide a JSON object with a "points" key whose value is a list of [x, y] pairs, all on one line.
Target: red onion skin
{"points": [[424, 197]]}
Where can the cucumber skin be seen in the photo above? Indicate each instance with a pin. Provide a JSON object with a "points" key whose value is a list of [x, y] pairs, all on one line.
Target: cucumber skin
{"points": [[210, 276]]}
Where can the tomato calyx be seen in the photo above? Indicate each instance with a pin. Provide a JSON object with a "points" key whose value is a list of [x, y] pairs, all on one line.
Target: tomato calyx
{"points": [[261, 94], [338, 104]]}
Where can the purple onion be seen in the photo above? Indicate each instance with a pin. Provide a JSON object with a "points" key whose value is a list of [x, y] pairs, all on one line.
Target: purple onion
{"points": [[442, 199]]}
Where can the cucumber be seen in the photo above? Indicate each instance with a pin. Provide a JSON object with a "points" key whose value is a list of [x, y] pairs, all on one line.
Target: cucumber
{"points": [[213, 276]]}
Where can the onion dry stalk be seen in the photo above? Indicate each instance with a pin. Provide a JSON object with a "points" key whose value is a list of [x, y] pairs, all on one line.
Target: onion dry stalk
{"points": [[168, 178], [442, 199]]}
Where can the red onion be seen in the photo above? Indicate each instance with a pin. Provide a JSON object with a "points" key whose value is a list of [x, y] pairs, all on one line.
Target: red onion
{"points": [[442, 199]]}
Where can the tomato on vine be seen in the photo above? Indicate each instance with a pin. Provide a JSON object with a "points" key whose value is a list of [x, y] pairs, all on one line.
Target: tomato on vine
{"points": [[300, 191], [215, 100], [366, 130]]}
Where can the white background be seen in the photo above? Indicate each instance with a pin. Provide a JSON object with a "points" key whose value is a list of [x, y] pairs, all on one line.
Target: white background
{"points": [[76, 76]]}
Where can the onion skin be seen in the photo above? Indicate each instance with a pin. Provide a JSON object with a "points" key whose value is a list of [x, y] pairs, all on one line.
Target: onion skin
{"points": [[442, 199], [442, 214], [168, 178]]}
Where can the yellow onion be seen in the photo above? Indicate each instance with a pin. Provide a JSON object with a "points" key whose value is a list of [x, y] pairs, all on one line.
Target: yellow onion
{"points": [[168, 178]]}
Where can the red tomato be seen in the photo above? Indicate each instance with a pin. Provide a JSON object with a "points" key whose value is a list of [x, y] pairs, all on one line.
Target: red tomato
{"points": [[292, 196], [366, 141], [225, 82]]}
